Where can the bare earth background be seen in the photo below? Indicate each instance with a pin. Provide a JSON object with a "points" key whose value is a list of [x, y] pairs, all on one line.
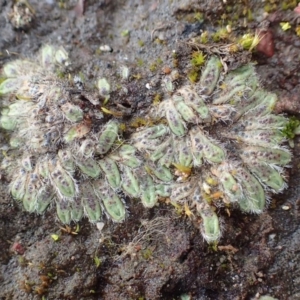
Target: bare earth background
{"points": [[259, 255]]}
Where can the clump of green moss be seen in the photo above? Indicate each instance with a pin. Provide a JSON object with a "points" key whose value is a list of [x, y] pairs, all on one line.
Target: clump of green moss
{"points": [[249, 41], [198, 59], [290, 129], [141, 43], [153, 66], [193, 75], [289, 4], [140, 62], [220, 35], [157, 99]]}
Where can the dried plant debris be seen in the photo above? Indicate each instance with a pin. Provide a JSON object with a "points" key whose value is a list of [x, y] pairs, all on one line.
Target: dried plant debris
{"points": [[217, 143]]}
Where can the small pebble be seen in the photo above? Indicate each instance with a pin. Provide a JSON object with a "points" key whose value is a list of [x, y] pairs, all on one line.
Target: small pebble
{"points": [[100, 225], [106, 48]]}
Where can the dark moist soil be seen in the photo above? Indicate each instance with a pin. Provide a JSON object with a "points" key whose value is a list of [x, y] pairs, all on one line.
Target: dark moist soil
{"points": [[257, 255]]}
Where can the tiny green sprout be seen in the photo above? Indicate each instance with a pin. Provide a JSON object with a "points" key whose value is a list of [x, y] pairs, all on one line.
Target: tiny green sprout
{"points": [[158, 41], [55, 237], [62, 4], [249, 15], [159, 61], [122, 127], [22, 261], [106, 100], [92, 292], [125, 33], [60, 74], [178, 208], [198, 16], [117, 114], [153, 67], [204, 37], [77, 229], [285, 26], [147, 254], [141, 43], [223, 17], [213, 246], [289, 4], [137, 76], [140, 62], [198, 59], [268, 8], [221, 34], [157, 99], [97, 261]]}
